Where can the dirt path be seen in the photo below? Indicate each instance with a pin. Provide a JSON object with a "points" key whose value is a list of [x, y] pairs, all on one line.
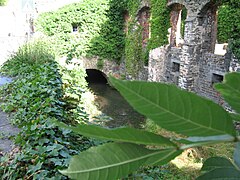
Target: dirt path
{"points": [[6, 132], [6, 129]]}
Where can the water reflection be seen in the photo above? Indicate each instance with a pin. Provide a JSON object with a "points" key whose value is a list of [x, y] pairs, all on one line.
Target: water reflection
{"points": [[111, 103]]}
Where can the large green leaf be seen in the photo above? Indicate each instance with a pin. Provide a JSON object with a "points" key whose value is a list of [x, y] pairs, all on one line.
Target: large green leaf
{"points": [[176, 110], [129, 135], [114, 160], [221, 174], [236, 155], [216, 162], [207, 140], [219, 168], [230, 90]]}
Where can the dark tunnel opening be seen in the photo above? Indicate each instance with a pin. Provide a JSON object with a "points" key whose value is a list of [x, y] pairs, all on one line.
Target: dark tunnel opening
{"points": [[96, 76]]}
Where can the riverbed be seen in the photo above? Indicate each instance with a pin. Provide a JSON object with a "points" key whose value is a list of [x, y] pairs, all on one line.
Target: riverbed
{"points": [[111, 103]]}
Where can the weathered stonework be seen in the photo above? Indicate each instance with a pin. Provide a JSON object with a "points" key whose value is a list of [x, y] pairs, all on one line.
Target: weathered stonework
{"points": [[108, 67], [193, 66]]}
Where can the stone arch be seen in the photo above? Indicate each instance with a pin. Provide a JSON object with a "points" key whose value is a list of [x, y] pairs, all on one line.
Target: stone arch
{"points": [[96, 76], [207, 19], [176, 19], [143, 18], [181, 2]]}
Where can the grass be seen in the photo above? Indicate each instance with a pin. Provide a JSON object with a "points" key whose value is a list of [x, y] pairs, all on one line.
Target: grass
{"points": [[187, 166]]}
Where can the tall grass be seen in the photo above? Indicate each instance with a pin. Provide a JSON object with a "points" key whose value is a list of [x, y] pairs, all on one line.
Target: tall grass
{"points": [[30, 54]]}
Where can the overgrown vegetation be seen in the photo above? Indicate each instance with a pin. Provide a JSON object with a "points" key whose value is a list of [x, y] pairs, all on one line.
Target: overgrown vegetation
{"points": [[98, 25], [228, 25], [100, 29], [3, 2], [42, 91], [160, 23]]}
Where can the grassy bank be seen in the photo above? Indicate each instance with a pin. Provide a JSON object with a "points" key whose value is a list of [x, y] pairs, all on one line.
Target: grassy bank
{"points": [[42, 91]]}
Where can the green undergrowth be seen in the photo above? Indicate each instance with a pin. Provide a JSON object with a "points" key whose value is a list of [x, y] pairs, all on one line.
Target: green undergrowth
{"points": [[42, 91]]}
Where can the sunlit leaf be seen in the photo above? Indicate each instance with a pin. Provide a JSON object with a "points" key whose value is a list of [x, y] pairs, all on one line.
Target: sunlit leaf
{"points": [[236, 155], [176, 110], [114, 160], [221, 174], [201, 141], [219, 168], [230, 90], [216, 162], [130, 135]]}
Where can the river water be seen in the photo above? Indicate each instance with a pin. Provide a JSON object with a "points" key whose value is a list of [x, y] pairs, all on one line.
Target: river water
{"points": [[111, 103]]}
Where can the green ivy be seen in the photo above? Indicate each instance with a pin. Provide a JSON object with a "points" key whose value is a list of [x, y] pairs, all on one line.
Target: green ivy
{"points": [[160, 23], [134, 52], [100, 29], [228, 25], [42, 92]]}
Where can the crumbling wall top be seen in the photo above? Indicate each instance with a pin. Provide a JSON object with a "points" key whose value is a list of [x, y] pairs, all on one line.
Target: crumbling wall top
{"points": [[194, 7]]}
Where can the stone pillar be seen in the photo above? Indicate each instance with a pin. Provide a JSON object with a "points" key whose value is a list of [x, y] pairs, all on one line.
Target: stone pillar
{"points": [[189, 68]]}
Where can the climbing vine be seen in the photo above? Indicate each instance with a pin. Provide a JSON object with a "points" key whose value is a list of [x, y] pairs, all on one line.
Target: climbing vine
{"points": [[228, 25], [98, 25], [134, 52], [160, 23]]}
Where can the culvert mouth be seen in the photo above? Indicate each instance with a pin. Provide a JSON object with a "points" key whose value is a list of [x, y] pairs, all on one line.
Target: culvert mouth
{"points": [[96, 76]]}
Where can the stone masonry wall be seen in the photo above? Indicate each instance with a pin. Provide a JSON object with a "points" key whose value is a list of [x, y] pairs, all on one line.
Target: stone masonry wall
{"points": [[212, 67]]}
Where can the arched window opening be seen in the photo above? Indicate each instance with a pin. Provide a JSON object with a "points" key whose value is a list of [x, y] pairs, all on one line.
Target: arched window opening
{"points": [[178, 17], [226, 26], [143, 19], [208, 21]]}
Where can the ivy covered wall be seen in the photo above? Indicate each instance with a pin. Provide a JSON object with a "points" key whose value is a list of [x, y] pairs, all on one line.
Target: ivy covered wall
{"points": [[99, 26], [103, 30], [135, 55], [160, 23], [229, 25]]}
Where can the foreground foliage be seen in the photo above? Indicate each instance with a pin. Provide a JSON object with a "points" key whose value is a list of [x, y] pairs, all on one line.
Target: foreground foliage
{"points": [[201, 121], [41, 92]]}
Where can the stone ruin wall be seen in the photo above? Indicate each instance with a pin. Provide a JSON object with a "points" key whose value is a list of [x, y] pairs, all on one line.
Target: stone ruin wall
{"points": [[192, 65]]}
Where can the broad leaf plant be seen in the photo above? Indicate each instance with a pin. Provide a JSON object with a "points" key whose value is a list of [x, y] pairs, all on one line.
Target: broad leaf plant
{"points": [[199, 121]]}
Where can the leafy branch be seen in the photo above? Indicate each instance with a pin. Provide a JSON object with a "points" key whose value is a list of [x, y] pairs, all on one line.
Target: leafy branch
{"points": [[200, 120]]}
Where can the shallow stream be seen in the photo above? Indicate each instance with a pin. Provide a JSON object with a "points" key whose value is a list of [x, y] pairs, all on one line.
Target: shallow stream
{"points": [[111, 103]]}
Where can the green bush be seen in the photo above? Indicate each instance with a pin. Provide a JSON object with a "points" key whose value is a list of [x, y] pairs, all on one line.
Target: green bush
{"points": [[41, 93], [228, 25]]}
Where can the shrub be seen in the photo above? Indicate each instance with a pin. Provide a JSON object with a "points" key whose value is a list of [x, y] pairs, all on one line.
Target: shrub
{"points": [[42, 92]]}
